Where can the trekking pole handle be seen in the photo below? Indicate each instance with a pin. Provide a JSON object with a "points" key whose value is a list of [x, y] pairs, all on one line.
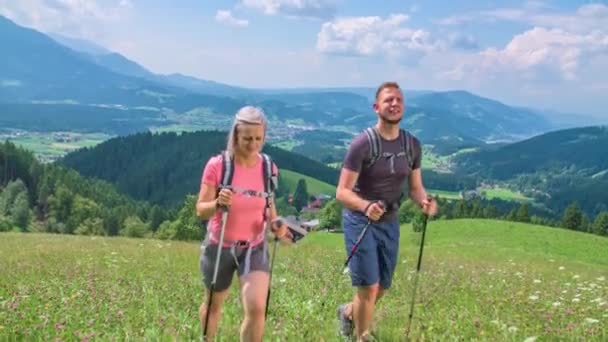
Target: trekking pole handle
{"points": [[220, 206], [382, 203]]}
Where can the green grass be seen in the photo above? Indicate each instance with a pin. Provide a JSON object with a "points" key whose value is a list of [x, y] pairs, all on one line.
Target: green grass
{"points": [[465, 150], [505, 194], [434, 161], [46, 147], [444, 194], [288, 144], [314, 186], [480, 280], [179, 128], [600, 174]]}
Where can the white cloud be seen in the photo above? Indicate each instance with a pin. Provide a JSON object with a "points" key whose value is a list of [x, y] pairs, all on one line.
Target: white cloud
{"points": [[318, 9], [70, 17], [587, 17], [226, 17], [374, 36], [537, 53], [557, 47]]}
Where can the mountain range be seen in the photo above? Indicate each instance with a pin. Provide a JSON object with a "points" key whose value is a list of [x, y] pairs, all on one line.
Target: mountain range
{"points": [[37, 68]]}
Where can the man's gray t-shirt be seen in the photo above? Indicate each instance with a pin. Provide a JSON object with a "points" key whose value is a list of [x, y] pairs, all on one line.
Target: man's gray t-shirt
{"points": [[378, 182]]}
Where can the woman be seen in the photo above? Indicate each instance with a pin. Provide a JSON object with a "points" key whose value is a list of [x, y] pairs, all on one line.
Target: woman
{"points": [[244, 246]]}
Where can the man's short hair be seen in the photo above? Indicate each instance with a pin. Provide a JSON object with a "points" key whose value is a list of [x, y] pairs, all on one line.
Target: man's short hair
{"points": [[387, 85]]}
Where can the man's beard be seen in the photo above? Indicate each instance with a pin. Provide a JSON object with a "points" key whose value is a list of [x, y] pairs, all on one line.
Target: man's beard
{"points": [[390, 121]]}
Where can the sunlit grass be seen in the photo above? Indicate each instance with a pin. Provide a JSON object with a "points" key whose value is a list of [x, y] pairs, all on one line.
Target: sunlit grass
{"points": [[481, 280]]}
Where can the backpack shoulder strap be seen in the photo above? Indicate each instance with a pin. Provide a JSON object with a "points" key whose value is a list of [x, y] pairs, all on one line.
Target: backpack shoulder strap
{"points": [[375, 144], [227, 169], [407, 143], [270, 180]]}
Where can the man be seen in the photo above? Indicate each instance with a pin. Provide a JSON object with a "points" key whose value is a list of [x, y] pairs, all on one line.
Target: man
{"points": [[372, 193]]}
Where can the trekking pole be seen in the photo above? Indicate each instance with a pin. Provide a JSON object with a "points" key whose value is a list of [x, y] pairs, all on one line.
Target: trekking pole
{"points": [[274, 252], [409, 322], [215, 270], [354, 249], [359, 238]]}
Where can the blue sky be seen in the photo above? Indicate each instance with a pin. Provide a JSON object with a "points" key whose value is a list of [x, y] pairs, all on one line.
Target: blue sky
{"points": [[543, 54]]}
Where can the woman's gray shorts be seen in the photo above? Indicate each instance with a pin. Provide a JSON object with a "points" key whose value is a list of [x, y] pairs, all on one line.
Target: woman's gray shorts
{"points": [[241, 259]]}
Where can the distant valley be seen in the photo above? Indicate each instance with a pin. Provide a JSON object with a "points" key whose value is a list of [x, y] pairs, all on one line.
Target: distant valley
{"points": [[80, 95]]}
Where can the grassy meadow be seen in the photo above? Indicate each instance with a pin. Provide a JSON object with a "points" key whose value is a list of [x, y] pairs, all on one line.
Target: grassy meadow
{"points": [[313, 185], [481, 280], [47, 147]]}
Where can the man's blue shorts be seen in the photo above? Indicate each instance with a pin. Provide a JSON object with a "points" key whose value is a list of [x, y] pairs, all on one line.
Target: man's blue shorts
{"points": [[375, 258]]}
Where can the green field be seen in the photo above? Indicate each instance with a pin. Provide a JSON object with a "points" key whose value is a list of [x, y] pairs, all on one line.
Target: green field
{"points": [[434, 161], [179, 128], [505, 194], [288, 145], [501, 193], [481, 280], [314, 186], [444, 194], [49, 146]]}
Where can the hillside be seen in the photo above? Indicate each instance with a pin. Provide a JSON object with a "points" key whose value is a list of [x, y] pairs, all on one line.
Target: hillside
{"points": [[480, 280], [474, 117], [577, 150], [163, 168], [313, 185], [50, 198], [76, 118], [37, 68], [449, 119], [555, 168]]}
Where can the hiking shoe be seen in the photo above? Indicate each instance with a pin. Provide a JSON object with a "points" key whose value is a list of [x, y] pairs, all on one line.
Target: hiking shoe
{"points": [[346, 324]]}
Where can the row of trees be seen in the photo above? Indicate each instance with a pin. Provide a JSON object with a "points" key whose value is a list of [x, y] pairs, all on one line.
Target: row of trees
{"points": [[51, 198], [572, 218]]}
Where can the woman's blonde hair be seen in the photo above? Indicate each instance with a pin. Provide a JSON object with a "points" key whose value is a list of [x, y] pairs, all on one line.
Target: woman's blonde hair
{"points": [[246, 115]]}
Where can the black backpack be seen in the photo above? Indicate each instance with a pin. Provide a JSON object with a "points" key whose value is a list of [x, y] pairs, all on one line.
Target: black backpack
{"points": [[375, 151]]}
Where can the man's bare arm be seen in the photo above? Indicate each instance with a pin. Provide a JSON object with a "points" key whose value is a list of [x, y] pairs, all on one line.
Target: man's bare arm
{"points": [[345, 193], [417, 192]]}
